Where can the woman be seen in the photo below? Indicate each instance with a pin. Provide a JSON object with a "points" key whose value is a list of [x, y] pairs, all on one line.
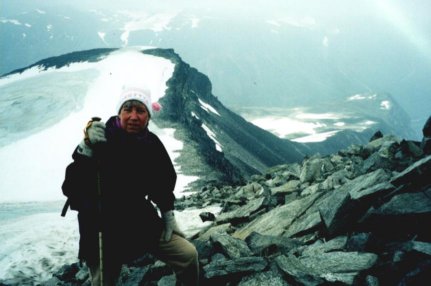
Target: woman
{"points": [[111, 183]]}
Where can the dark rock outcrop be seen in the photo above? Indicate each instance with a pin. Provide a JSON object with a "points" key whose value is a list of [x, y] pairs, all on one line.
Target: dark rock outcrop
{"points": [[243, 148], [426, 140]]}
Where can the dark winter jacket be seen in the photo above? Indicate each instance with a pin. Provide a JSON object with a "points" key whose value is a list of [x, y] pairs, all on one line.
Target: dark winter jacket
{"points": [[132, 172]]}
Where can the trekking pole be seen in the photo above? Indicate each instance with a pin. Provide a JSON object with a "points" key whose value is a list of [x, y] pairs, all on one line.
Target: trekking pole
{"points": [[99, 196], [99, 193]]}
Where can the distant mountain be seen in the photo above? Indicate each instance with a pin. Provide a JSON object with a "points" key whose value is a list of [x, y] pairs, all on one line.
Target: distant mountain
{"points": [[332, 125], [218, 144], [265, 60]]}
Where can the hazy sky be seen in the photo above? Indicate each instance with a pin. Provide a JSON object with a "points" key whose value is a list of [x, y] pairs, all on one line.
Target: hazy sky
{"points": [[411, 18]]}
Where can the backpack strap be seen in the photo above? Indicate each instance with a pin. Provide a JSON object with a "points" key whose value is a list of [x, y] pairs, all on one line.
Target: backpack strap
{"points": [[65, 207]]}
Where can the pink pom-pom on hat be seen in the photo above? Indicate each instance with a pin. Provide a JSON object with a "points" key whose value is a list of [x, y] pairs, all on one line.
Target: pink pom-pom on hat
{"points": [[140, 94], [156, 106]]}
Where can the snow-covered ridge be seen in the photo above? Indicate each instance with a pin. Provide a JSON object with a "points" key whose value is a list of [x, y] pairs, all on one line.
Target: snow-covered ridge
{"points": [[43, 156]]}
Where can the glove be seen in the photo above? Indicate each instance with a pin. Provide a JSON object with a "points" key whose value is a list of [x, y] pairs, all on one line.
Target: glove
{"points": [[170, 226], [84, 149], [94, 133]]}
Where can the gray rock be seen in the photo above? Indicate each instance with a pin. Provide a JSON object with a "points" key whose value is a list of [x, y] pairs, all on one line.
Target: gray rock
{"points": [[277, 220], [234, 266], [230, 246]]}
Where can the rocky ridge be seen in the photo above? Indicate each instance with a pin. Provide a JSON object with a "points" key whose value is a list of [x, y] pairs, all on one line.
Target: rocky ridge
{"points": [[357, 217]]}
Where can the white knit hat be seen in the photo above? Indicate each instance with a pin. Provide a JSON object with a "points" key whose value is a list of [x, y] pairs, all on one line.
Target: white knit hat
{"points": [[139, 94]]}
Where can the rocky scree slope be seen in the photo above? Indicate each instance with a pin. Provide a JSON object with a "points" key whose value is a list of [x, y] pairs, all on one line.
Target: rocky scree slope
{"points": [[357, 217]]}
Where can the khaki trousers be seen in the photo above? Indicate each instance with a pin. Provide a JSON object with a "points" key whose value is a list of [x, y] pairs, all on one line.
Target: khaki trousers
{"points": [[179, 253]]}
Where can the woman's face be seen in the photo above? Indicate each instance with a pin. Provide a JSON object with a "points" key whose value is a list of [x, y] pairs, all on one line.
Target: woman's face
{"points": [[134, 116]]}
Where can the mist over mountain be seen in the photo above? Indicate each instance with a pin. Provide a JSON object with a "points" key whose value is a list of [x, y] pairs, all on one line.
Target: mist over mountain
{"points": [[269, 54]]}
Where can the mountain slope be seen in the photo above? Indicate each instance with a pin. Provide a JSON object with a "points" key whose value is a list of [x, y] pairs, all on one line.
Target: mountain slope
{"points": [[246, 148], [218, 145], [46, 104]]}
